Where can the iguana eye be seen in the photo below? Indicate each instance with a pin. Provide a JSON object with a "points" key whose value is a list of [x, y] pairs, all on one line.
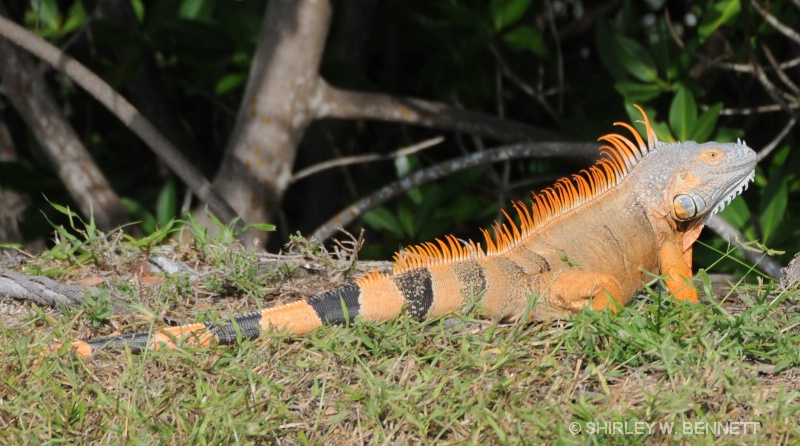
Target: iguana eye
{"points": [[713, 156]]}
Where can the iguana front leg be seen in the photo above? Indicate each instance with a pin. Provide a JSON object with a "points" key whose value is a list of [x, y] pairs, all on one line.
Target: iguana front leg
{"points": [[678, 273], [572, 290]]}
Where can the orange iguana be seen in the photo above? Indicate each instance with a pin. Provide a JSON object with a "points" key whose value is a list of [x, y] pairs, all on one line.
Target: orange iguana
{"points": [[584, 241]]}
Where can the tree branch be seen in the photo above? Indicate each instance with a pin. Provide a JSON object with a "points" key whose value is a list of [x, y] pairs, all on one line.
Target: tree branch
{"points": [[727, 232], [26, 88], [345, 104], [359, 159], [505, 153], [123, 110]]}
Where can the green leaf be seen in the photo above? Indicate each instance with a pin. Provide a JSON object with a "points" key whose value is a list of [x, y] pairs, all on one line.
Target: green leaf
{"points": [[166, 203], [774, 201], [706, 123], [506, 12], [135, 209], [265, 227], [44, 17], [683, 114], [381, 219], [636, 60], [524, 38], [781, 365], [76, 17], [721, 13], [604, 36], [195, 9], [431, 201], [637, 92], [736, 213], [229, 82], [138, 10]]}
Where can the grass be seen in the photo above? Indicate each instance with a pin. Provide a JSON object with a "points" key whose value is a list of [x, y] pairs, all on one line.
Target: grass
{"points": [[727, 361]]}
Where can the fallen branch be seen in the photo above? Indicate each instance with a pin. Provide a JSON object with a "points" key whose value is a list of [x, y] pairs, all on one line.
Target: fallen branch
{"points": [[41, 290]]}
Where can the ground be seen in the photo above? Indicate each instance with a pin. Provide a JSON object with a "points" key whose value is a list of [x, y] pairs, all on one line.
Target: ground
{"points": [[719, 372]]}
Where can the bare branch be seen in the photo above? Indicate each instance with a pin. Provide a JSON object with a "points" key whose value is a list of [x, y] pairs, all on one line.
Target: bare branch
{"points": [[764, 262], [772, 20], [779, 71], [349, 160], [744, 111], [539, 96], [505, 153], [344, 104], [28, 92], [123, 110], [551, 25], [43, 291]]}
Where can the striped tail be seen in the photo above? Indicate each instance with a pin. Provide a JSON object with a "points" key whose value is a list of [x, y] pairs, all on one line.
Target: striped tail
{"points": [[297, 318], [376, 297]]}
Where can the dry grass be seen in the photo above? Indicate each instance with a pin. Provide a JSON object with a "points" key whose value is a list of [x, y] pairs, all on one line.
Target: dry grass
{"points": [[728, 360]]}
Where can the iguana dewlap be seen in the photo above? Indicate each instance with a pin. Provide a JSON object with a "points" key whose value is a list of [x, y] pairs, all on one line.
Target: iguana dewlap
{"points": [[587, 240]]}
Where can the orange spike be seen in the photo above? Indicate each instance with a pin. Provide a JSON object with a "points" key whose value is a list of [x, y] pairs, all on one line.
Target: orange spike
{"points": [[624, 149], [613, 156], [636, 151], [617, 159], [517, 235], [446, 254], [651, 134], [490, 248]]}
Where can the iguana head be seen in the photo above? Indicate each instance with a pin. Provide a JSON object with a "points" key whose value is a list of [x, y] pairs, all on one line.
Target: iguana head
{"points": [[705, 177]]}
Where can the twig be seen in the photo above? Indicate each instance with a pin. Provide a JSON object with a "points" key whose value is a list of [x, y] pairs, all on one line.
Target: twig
{"points": [[124, 111], [505, 153], [539, 96], [780, 27], [551, 24], [744, 111], [764, 152], [778, 71], [758, 72], [359, 159], [764, 262]]}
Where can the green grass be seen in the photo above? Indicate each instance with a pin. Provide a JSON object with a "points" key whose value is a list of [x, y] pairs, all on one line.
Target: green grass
{"points": [[728, 360]]}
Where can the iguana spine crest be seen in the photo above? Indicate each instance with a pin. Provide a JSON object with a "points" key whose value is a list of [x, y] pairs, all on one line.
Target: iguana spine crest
{"points": [[616, 161]]}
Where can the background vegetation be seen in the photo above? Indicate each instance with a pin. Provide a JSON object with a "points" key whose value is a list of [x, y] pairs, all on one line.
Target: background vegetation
{"points": [[713, 70]]}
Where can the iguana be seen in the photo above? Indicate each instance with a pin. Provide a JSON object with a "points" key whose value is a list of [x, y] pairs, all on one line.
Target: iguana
{"points": [[587, 241]]}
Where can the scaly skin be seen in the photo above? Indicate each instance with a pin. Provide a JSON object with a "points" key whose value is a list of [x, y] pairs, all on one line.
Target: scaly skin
{"points": [[586, 240]]}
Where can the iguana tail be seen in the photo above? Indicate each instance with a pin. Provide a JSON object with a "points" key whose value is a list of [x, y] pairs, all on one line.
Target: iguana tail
{"points": [[375, 296]]}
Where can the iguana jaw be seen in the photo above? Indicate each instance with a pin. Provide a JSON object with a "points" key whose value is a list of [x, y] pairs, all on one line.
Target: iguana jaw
{"points": [[733, 192]]}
